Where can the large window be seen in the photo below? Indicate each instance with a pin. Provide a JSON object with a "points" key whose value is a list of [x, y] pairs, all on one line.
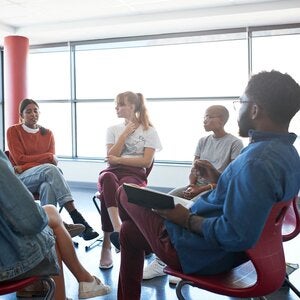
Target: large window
{"points": [[180, 75], [49, 74], [199, 69], [279, 50], [173, 77]]}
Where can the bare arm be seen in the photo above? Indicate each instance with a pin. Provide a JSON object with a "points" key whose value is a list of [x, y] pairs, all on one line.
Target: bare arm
{"points": [[144, 161], [116, 149]]}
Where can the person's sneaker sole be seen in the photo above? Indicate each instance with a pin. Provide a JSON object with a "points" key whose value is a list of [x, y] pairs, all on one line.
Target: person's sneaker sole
{"points": [[154, 269], [104, 289], [86, 295], [174, 280], [106, 267]]}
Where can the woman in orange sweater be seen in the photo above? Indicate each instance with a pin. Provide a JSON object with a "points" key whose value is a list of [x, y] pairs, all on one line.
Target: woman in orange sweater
{"points": [[32, 153]]}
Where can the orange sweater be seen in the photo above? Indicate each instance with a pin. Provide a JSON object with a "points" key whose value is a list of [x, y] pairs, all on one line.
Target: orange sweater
{"points": [[27, 150]]}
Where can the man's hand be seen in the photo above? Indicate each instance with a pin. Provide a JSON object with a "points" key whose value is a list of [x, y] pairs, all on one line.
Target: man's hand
{"points": [[206, 170], [182, 217], [194, 190], [177, 215]]}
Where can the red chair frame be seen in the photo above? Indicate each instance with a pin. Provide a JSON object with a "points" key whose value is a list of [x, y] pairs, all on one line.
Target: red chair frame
{"points": [[11, 286], [290, 229], [263, 274]]}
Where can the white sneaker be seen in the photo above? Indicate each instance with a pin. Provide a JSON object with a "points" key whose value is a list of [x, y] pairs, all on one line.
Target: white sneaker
{"points": [[92, 289], [154, 269], [174, 279]]}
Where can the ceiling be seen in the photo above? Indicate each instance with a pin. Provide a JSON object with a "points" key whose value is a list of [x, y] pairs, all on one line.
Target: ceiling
{"points": [[52, 21]]}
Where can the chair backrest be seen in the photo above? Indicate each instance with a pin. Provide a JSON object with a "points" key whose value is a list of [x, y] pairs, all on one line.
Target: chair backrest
{"points": [[267, 255], [291, 222]]}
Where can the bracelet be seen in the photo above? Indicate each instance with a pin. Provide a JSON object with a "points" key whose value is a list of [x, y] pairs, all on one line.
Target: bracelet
{"points": [[188, 221]]}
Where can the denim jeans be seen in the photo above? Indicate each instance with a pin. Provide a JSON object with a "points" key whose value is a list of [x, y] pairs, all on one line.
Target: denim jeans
{"points": [[48, 181]]}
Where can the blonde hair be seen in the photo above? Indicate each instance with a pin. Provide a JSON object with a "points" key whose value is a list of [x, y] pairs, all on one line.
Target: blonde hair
{"points": [[138, 100]]}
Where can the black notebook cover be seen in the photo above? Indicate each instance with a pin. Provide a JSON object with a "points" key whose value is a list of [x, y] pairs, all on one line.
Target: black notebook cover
{"points": [[148, 198]]}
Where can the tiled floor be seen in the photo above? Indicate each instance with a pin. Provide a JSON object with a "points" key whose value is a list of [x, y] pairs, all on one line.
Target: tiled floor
{"points": [[158, 288]]}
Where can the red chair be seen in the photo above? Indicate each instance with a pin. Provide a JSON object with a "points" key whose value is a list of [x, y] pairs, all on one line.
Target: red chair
{"points": [[290, 229], [7, 287], [263, 274], [291, 222]]}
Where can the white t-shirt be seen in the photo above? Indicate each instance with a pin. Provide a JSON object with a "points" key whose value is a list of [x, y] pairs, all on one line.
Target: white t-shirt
{"points": [[135, 142]]}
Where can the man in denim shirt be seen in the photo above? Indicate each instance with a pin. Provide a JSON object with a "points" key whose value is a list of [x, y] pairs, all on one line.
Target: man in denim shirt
{"points": [[212, 236]]}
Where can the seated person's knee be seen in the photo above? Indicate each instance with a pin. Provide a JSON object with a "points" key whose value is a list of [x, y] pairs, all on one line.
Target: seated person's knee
{"points": [[54, 218]]}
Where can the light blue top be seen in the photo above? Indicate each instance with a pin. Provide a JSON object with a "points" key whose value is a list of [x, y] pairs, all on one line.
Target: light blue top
{"points": [[266, 171], [25, 238]]}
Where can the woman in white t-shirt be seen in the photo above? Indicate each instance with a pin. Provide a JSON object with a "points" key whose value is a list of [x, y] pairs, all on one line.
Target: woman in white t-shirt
{"points": [[131, 146]]}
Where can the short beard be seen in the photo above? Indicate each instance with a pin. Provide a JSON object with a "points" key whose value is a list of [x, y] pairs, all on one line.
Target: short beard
{"points": [[245, 124]]}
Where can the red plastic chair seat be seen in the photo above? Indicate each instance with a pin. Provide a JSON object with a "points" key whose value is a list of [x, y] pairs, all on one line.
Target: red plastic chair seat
{"points": [[7, 287], [238, 282]]}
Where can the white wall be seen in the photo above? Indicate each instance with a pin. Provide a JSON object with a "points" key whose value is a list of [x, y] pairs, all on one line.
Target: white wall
{"points": [[162, 176]]}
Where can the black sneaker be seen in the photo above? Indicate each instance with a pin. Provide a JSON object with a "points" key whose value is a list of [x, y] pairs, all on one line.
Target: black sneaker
{"points": [[89, 234]]}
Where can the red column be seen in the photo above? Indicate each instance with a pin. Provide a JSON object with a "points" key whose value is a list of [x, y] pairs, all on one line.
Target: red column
{"points": [[15, 76]]}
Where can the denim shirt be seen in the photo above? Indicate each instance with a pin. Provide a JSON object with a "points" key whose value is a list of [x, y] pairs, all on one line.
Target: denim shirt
{"points": [[25, 238], [266, 171]]}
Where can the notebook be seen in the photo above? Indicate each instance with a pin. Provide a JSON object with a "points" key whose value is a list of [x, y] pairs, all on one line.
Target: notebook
{"points": [[153, 199]]}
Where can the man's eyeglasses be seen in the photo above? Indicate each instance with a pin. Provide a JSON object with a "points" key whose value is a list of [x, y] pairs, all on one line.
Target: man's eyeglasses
{"points": [[237, 104]]}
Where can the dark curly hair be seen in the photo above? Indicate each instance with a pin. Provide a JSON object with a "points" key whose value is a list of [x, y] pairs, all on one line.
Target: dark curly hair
{"points": [[276, 93]]}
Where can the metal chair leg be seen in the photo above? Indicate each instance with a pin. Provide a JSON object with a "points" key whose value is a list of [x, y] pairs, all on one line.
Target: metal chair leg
{"points": [[50, 282], [292, 287], [97, 242]]}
